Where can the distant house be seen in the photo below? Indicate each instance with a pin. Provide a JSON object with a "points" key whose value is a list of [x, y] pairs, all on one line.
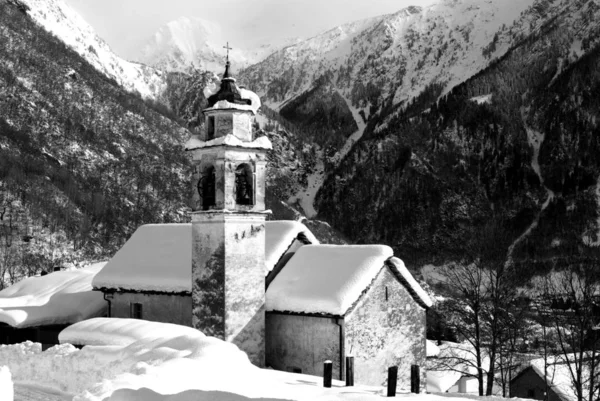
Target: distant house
{"points": [[532, 383], [151, 278], [331, 301], [38, 308]]}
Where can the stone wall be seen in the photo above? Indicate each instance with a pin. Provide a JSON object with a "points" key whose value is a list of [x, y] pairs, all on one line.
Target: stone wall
{"points": [[164, 308], [386, 328], [303, 343]]}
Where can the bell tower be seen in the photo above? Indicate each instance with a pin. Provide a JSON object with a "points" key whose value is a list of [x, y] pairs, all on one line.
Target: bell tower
{"points": [[228, 221]]}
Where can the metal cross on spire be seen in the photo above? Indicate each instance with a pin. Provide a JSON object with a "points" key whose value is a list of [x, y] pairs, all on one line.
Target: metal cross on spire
{"points": [[228, 48]]}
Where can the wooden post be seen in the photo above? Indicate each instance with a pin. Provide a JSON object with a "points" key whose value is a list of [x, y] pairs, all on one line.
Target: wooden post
{"points": [[327, 373], [349, 371], [392, 381], [415, 379]]}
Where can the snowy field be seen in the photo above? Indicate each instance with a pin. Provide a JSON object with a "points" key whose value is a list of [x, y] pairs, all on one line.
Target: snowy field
{"points": [[133, 360]]}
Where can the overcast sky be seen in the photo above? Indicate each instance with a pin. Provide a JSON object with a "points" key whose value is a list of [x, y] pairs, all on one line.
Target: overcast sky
{"points": [[126, 24]]}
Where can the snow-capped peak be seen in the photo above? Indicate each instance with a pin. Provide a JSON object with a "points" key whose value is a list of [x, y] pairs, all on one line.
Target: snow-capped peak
{"points": [[61, 20], [191, 42]]}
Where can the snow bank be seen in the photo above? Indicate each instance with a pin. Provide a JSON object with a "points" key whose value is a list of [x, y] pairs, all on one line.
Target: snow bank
{"points": [[410, 281], [158, 257], [280, 235], [111, 331], [228, 140], [56, 298], [326, 278], [6, 385], [160, 362]]}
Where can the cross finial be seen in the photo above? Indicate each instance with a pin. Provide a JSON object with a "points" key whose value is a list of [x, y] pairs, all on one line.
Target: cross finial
{"points": [[228, 48]]}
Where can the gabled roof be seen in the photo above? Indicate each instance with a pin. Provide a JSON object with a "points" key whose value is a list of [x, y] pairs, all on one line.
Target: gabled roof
{"points": [[158, 257], [57, 298], [326, 279]]}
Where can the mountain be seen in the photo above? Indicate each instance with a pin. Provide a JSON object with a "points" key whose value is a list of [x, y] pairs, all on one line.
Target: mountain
{"points": [[517, 142], [191, 42], [331, 85], [83, 161], [432, 121], [57, 17]]}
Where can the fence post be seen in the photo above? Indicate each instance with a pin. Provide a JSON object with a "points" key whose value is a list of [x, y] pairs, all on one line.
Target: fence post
{"points": [[349, 371], [392, 381], [415, 379], [327, 373]]}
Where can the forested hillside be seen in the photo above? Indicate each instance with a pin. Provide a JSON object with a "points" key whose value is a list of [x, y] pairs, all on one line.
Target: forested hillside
{"points": [[519, 143], [82, 161]]}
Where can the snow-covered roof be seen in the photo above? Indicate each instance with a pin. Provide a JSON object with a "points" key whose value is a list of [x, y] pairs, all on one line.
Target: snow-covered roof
{"points": [[326, 279], [228, 140], [398, 267], [56, 298], [158, 257], [279, 237]]}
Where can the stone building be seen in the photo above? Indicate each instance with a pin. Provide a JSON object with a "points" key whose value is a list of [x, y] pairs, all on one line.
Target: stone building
{"points": [[218, 273]]}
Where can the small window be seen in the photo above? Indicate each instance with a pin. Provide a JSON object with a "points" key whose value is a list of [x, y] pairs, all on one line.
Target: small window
{"points": [[387, 297], [296, 370], [135, 310], [210, 128]]}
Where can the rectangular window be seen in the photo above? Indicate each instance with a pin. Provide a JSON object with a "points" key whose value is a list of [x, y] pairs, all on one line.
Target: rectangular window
{"points": [[135, 310], [531, 393]]}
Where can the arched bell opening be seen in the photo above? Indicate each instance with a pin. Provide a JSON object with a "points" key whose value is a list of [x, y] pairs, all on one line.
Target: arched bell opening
{"points": [[244, 185], [207, 188]]}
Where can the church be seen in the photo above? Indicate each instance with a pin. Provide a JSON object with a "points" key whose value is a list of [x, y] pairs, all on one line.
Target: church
{"points": [[267, 286]]}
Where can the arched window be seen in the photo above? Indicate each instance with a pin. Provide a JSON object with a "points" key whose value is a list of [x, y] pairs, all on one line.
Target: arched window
{"points": [[206, 188], [244, 185]]}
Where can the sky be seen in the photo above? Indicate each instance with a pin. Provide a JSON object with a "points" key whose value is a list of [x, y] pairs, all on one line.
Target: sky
{"points": [[126, 24]]}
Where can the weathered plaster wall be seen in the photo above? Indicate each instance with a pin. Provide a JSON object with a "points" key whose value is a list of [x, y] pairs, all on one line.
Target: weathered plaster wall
{"points": [[529, 380], [228, 283], [165, 308], [383, 332], [242, 126], [302, 342]]}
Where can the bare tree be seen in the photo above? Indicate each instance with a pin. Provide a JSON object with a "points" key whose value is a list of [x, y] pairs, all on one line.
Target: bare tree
{"points": [[572, 304], [482, 299]]}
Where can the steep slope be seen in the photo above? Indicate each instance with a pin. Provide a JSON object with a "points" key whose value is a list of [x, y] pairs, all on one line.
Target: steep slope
{"points": [[83, 162], [392, 57], [62, 21], [193, 43], [357, 71], [518, 142]]}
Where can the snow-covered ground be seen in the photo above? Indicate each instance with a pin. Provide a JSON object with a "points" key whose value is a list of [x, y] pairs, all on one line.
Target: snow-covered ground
{"points": [[180, 364], [6, 384]]}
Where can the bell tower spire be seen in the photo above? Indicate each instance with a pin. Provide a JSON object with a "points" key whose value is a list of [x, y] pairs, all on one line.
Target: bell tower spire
{"points": [[228, 221]]}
